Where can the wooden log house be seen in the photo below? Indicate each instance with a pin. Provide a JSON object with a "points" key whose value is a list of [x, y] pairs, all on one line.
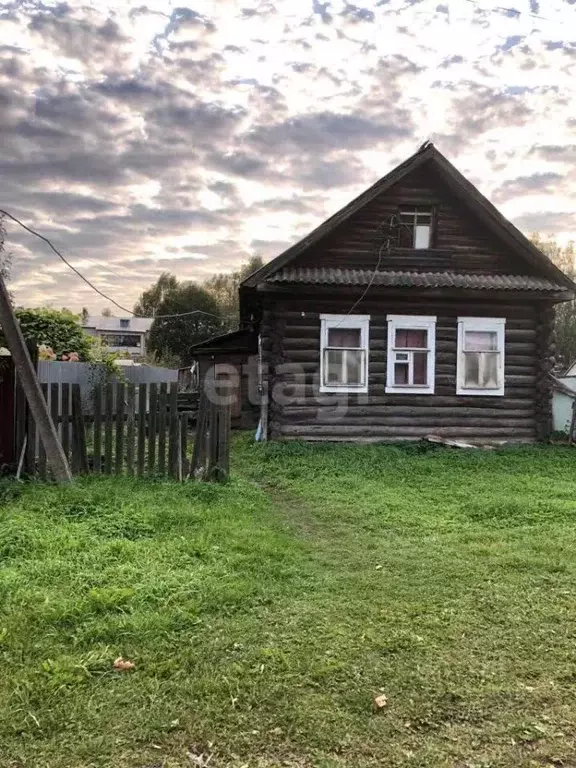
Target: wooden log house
{"points": [[417, 309]]}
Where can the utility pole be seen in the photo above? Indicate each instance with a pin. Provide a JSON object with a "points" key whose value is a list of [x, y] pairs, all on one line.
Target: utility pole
{"points": [[31, 387]]}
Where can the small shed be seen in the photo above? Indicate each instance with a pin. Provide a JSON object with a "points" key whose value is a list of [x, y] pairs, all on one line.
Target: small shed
{"points": [[233, 356], [564, 394]]}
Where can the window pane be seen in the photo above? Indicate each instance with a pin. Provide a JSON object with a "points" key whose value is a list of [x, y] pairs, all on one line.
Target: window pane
{"points": [[421, 368], [422, 236], [401, 373], [344, 367], [354, 361], [472, 370], [490, 370], [344, 337], [333, 367], [480, 341], [417, 337]]}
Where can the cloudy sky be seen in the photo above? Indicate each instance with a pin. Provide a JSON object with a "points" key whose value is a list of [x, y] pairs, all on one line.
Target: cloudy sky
{"points": [[157, 136]]}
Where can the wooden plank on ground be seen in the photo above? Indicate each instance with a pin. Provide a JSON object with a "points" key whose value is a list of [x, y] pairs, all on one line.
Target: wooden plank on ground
{"points": [[130, 430], [119, 463], [141, 428], [79, 451], [162, 406], [108, 424], [152, 421], [97, 429], [173, 430]]}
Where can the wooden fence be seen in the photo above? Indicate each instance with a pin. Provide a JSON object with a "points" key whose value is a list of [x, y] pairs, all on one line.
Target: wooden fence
{"points": [[131, 430]]}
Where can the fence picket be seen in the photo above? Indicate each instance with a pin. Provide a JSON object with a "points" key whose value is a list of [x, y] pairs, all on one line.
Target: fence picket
{"points": [[198, 451], [162, 406], [65, 417], [79, 453], [108, 423], [152, 419], [182, 447], [97, 436], [141, 428], [173, 431], [54, 403], [130, 432], [41, 450], [119, 463], [30, 443]]}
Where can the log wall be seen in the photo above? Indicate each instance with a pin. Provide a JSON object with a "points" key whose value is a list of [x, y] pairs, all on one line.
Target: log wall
{"points": [[296, 409]]}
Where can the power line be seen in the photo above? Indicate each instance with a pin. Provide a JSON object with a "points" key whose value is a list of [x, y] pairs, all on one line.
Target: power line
{"points": [[94, 288]]}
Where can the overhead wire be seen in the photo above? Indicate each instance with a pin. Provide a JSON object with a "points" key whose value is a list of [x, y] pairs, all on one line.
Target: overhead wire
{"points": [[95, 288]]}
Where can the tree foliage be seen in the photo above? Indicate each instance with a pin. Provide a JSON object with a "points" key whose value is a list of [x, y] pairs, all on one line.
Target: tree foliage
{"points": [[149, 302], [58, 329], [564, 258], [224, 287], [171, 338]]}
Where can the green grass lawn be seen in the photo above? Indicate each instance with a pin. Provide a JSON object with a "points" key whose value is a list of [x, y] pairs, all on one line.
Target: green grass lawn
{"points": [[263, 616]]}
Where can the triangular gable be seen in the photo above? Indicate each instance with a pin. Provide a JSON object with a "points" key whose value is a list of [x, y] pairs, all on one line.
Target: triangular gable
{"points": [[467, 194]]}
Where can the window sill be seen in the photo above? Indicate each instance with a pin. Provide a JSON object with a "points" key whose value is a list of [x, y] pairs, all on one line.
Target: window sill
{"points": [[343, 390], [409, 390], [480, 392]]}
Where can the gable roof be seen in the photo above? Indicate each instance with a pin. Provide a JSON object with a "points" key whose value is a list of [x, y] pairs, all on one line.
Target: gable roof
{"points": [[465, 190]]}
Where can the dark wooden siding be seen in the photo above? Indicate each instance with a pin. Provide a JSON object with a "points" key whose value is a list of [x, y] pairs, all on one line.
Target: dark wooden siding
{"points": [[291, 341], [461, 243]]}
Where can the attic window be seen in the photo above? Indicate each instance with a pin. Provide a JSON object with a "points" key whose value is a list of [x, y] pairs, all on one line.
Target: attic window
{"points": [[124, 322], [415, 227]]}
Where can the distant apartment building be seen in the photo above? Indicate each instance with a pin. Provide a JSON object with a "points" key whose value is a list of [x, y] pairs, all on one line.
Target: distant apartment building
{"points": [[126, 335]]}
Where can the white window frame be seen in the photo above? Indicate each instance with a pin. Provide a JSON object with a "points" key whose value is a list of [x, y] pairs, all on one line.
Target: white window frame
{"points": [[360, 322], [490, 324], [411, 322]]}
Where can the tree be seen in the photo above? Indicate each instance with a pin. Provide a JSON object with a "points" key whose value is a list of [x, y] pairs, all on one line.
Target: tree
{"points": [[55, 328], [171, 338], [84, 314], [106, 312], [148, 303], [564, 258], [5, 258], [224, 287]]}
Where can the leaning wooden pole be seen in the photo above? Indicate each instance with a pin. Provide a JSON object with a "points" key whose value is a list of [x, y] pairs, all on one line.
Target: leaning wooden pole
{"points": [[30, 385]]}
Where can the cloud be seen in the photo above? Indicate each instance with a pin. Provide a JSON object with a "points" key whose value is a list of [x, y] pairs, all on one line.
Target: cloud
{"points": [[145, 137], [537, 183], [556, 153]]}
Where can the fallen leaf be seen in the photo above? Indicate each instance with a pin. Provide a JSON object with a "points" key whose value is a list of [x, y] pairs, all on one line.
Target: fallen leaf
{"points": [[379, 702], [122, 665]]}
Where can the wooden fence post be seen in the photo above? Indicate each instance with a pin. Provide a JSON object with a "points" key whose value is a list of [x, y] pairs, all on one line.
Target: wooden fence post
{"points": [[108, 422]]}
